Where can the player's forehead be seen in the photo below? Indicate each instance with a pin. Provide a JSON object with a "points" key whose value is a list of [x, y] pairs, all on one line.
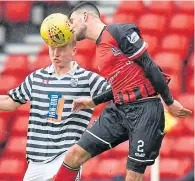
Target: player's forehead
{"points": [[74, 15], [58, 48]]}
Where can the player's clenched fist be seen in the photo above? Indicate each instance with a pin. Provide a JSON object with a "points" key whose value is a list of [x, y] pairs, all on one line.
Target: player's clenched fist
{"points": [[82, 103], [178, 110]]}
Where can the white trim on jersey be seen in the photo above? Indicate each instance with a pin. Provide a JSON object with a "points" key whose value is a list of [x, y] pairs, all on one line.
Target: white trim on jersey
{"points": [[143, 47]]}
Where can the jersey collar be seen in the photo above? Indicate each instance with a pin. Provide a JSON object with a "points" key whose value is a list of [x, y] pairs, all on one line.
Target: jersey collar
{"points": [[99, 38], [51, 70]]}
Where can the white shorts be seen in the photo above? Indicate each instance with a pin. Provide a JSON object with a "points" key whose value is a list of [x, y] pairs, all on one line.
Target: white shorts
{"points": [[45, 171]]}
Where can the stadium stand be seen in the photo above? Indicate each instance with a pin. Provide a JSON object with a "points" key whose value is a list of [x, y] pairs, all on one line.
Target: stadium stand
{"points": [[167, 26]]}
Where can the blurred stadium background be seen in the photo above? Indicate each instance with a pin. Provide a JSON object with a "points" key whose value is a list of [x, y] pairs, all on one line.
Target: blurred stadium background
{"points": [[168, 27]]}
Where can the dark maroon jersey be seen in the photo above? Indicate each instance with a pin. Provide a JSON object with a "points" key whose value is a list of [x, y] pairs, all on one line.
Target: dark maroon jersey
{"points": [[117, 48]]}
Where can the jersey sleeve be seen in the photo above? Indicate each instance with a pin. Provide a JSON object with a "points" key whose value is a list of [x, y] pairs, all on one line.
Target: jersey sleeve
{"points": [[156, 76], [97, 84], [104, 97], [128, 39], [22, 93]]}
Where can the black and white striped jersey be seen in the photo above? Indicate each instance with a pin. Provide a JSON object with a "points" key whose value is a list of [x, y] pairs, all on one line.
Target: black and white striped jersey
{"points": [[53, 127]]}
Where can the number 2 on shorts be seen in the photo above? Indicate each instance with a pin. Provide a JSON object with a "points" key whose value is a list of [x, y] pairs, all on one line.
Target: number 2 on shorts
{"points": [[140, 146]]}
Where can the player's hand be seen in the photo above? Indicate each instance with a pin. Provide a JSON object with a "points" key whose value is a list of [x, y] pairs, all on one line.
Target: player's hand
{"points": [[177, 110], [82, 103]]}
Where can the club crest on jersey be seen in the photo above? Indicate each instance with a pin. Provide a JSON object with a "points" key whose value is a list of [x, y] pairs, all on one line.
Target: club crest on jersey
{"points": [[74, 82], [116, 51], [134, 37]]}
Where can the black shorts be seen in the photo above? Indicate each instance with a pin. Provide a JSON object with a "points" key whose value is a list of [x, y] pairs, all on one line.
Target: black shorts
{"points": [[141, 122]]}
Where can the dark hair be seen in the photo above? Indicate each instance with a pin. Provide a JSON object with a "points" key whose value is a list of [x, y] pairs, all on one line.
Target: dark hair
{"points": [[85, 5]]}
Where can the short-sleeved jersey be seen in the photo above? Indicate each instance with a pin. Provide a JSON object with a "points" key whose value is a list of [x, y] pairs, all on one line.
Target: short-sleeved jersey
{"points": [[53, 128], [117, 47]]}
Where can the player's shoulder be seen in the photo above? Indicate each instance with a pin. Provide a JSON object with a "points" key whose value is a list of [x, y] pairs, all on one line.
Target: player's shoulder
{"points": [[87, 73], [113, 28], [81, 72], [84, 71], [42, 71]]}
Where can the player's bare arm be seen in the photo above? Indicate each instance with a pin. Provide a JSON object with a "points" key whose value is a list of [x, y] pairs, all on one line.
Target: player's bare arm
{"points": [[86, 103], [82, 103], [7, 103], [178, 110]]}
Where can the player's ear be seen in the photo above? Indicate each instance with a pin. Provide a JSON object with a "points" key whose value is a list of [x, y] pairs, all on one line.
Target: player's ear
{"points": [[74, 51], [85, 16]]}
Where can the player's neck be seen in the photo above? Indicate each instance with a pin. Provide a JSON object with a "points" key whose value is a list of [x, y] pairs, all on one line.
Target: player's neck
{"points": [[95, 30], [61, 70]]}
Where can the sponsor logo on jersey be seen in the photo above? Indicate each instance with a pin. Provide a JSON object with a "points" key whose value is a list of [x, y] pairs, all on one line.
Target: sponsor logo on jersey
{"points": [[56, 105], [133, 38]]}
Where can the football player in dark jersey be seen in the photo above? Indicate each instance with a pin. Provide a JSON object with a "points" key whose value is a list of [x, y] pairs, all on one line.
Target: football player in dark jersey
{"points": [[136, 113]]}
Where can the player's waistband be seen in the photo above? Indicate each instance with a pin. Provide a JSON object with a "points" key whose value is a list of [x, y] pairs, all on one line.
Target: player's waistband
{"points": [[134, 94], [151, 98]]}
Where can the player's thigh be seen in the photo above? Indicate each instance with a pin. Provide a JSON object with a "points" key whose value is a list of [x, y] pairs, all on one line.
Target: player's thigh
{"points": [[147, 123], [105, 133]]}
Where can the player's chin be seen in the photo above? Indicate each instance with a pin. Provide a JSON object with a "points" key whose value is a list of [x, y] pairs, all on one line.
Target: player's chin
{"points": [[58, 63]]}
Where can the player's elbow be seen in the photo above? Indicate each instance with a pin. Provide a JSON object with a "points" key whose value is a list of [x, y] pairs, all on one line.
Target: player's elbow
{"points": [[151, 70]]}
